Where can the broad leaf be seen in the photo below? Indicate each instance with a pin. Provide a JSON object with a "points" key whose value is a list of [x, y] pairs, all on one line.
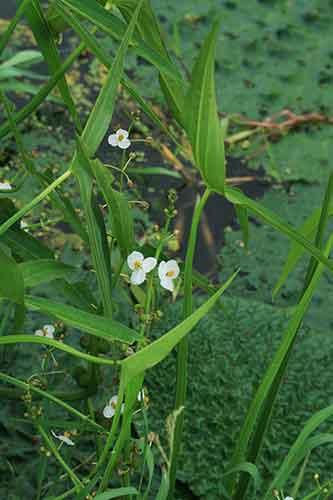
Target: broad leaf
{"points": [[36, 272], [11, 281]]}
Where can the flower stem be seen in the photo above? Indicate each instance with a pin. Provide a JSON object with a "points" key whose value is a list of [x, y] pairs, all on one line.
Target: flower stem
{"points": [[182, 353]]}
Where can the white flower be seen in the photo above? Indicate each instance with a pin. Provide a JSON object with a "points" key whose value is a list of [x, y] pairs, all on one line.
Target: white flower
{"points": [[23, 225], [167, 272], [5, 186], [288, 498], [140, 267], [46, 331], [64, 438], [120, 139], [110, 408]]}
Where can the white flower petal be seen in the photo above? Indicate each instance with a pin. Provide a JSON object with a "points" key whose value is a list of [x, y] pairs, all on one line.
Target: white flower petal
{"points": [[133, 258], [5, 186], [141, 395], [49, 329], [124, 144], [138, 277], [113, 140], [172, 267], [168, 284], [149, 264], [39, 333], [121, 134], [161, 269], [109, 411], [288, 498], [63, 438]]}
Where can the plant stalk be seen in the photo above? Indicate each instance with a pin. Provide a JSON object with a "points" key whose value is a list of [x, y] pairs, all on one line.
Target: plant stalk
{"points": [[182, 352]]}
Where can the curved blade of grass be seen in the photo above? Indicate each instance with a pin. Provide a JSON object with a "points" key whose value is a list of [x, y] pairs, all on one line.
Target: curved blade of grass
{"points": [[117, 493], [40, 271], [29, 206], [12, 25], [91, 41], [149, 32], [33, 339], [121, 217], [296, 251], [109, 23], [271, 381], [201, 118], [96, 230], [237, 197], [40, 97], [46, 395], [153, 171], [155, 352], [57, 199], [301, 447], [317, 220], [99, 326], [46, 44]]}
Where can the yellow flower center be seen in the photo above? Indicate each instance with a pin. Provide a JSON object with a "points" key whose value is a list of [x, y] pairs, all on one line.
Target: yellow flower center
{"points": [[170, 274], [114, 404], [137, 264], [121, 137], [67, 434]]}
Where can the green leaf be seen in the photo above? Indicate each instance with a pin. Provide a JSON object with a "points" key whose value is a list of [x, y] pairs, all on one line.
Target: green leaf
{"points": [[46, 44], [43, 92], [34, 339], [133, 171], [149, 32], [96, 230], [121, 217], [301, 447], [100, 117], [201, 117], [99, 326], [22, 58], [95, 13], [296, 250], [235, 196], [11, 282], [36, 272], [267, 391], [117, 493], [155, 352]]}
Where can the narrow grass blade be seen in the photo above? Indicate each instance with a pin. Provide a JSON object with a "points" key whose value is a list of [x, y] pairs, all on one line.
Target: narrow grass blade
{"points": [[33, 339], [12, 25], [96, 231], [40, 97], [301, 447], [117, 493], [243, 219], [201, 118], [99, 326], [121, 217], [237, 197], [46, 44], [271, 382], [155, 352], [109, 23]]}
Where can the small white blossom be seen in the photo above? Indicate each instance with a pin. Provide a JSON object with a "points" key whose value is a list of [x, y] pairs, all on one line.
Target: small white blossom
{"points": [[288, 498], [110, 408], [168, 272], [5, 186], [46, 331], [119, 139], [140, 267], [23, 225], [64, 438]]}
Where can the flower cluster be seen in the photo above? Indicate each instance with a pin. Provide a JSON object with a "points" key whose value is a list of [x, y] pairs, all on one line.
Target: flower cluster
{"points": [[141, 266], [110, 409]]}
